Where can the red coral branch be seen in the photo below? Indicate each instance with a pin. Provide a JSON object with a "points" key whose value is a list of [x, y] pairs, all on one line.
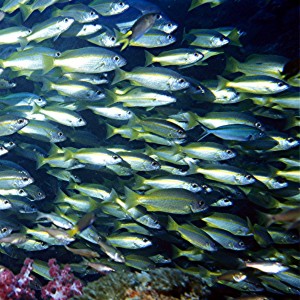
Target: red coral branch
{"points": [[64, 284]]}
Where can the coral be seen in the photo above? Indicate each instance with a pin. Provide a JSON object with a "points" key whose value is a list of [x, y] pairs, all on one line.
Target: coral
{"points": [[14, 287], [160, 284], [64, 284]]}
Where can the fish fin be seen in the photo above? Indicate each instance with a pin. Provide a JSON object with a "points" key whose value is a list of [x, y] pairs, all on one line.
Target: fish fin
{"points": [[110, 131], [148, 58], [231, 65], [214, 4], [172, 225], [39, 161], [48, 63], [26, 11], [134, 135], [46, 85], [73, 231], [234, 38], [194, 4], [176, 252], [54, 150], [23, 42], [68, 154], [222, 82], [139, 182], [123, 38], [60, 196], [111, 97], [120, 75], [205, 132], [131, 198]]}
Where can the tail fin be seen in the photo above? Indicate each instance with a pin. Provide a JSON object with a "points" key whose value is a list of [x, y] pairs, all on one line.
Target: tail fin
{"points": [[205, 132], [112, 98], [172, 225], [48, 63], [120, 75], [139, 182], [231, 65], [131, 198], [39, 161], [110, 131], [123, 38], [234, 37], [149, 58], [46, 85], [222, 82], [26, 11]]}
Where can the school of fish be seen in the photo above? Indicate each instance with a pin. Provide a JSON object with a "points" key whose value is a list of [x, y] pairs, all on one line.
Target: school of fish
{"points": [[114, 157]]}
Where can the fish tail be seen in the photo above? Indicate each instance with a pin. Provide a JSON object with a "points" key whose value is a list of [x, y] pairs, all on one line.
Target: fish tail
{"points": [[120, 75], [205, 132], [149, 58], [46, 85], [131, 198], [231, 65], [139, 182], [39, 161], [110, 131], [111, 97], [172, 225], [222, 82], [234, 38], [26, 11], [48, 63], [73, 231]]}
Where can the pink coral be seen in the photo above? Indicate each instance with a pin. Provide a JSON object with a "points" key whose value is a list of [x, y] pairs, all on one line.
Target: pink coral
{"points": [[13, 287], [63, 286]]}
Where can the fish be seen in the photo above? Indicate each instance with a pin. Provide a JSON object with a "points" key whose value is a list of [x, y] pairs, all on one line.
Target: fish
{"points": [[141, 26], [163, 79], [173, 200]]}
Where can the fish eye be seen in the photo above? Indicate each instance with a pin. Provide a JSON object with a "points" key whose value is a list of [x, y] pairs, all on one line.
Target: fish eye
{"points": [[294, 237], [290, 140], [116, 58], [2, 148], [4, 229], [21, 191], [181, 80], [129, 112], [29, 31], [281, 180], [43, 243], [39, 99], [121, 4], [80, 120], [154, 163], [92, 13], [40, 194], [158, 16], [66, 20], [248, 177], [60, 134], [113, 39], [20, 121], [257, 124], [31, 206], [280, 84], [201, 202], [227, 200], [228, 151], [145, 240], [261, 134], [169, 37], [25, 179], [98, 92], [6, 202], [115, 157], [196, 54], [57, 54], [195, 185], [180, 131], [241, 244]]}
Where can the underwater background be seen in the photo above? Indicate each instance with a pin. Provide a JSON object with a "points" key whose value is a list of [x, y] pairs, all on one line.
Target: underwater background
{"points": [[176, 180]]}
